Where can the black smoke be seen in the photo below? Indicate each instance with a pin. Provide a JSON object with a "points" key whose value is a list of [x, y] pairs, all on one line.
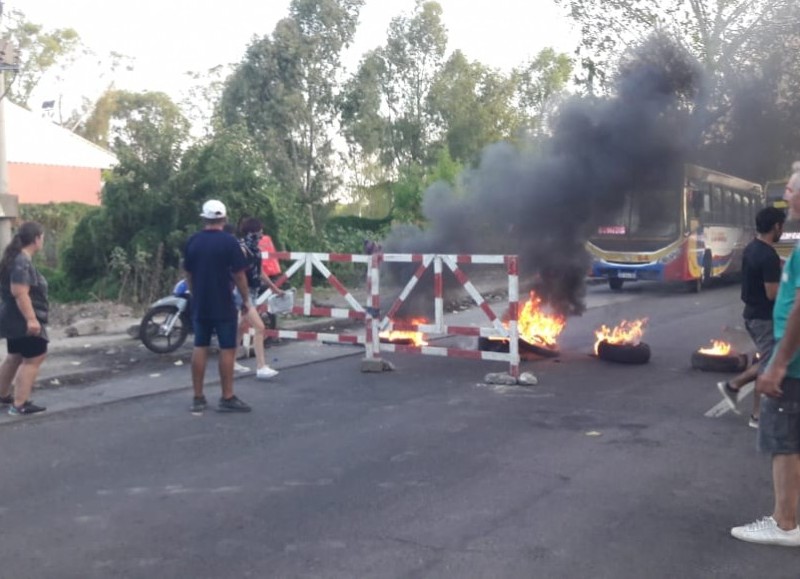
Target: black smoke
{"points": [[542, 201]]}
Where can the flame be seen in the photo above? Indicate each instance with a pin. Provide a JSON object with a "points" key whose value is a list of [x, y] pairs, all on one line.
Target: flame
{"points": [[416, 338], [538, 327], [718, 348], [625, 333]]}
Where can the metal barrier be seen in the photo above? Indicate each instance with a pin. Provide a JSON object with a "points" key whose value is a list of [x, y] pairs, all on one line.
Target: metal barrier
{"points": [[375, 324]]}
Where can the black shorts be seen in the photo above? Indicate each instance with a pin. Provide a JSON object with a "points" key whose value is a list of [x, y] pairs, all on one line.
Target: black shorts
{"points": [[27, 347], [779, 420]]}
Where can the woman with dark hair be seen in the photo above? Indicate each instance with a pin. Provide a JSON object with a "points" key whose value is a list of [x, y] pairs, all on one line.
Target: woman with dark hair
{"points": [[250, 232], [23, 319]]}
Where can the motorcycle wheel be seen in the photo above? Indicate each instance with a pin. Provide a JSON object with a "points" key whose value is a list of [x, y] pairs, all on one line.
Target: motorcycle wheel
{"points": [[153, 335]]}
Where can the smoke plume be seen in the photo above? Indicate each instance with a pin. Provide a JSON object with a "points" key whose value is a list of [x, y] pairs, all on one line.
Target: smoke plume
{"points": [[542, 203]]}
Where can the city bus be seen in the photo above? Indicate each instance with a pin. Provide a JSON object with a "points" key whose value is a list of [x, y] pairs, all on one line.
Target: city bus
{"points": [[689, 230], [774, 191]]}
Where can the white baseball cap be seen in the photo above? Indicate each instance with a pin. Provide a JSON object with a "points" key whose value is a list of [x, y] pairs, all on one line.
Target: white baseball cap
{"points": [[213, 209]]}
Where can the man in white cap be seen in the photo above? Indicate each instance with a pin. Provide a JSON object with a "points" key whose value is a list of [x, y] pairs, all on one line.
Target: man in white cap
{"points": [[212, 260]]}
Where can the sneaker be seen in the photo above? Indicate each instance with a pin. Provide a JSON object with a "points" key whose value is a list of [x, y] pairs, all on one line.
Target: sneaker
{"points": [[753, 422], [237, 367], [730, 395], [27, 408], [265, 373], [232, 404], [767, 532], [198, 405], [7, 400]]}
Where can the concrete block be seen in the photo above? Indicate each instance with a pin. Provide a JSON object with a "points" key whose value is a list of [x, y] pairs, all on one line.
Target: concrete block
{"points": [[376, 365]]}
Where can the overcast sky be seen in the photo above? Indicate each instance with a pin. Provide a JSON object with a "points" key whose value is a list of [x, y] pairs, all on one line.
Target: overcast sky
{"points": [[169, 37]]}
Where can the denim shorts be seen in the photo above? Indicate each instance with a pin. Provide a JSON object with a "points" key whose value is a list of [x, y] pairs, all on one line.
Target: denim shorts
{"points": [[225, 329], [779, 421], [763, 336]]}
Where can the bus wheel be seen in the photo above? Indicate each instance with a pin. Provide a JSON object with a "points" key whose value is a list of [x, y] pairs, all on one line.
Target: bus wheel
{"points": [[615, 283]]}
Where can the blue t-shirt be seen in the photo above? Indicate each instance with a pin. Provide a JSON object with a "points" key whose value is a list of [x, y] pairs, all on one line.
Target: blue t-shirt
{"points": [[784, 301], [212, 257]]}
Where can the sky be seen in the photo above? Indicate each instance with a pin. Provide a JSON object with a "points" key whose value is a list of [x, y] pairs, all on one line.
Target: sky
{"points": [[167, 38]]}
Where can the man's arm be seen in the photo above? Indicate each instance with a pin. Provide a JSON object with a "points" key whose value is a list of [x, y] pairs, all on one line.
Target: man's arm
{"points": [[22, 296], [771, 289], [769, 383], [266, 280]]}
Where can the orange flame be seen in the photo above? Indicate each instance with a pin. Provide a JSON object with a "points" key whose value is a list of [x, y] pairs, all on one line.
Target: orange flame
{"points": [[538, 327], [625, 333], [416, 338], [718, 348]]}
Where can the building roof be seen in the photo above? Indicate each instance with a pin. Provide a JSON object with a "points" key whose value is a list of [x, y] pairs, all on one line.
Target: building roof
{"points": [[38, 141]]}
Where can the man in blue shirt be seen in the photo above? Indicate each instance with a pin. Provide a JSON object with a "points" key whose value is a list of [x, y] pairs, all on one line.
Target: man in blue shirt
{"points": [[213, 262], [779, 424]]}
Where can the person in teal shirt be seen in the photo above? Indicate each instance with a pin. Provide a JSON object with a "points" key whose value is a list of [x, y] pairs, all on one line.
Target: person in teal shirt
{"points": [[779, 424]]}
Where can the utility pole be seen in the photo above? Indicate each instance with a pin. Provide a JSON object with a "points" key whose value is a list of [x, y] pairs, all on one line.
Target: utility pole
{"points": [[9, 60]]}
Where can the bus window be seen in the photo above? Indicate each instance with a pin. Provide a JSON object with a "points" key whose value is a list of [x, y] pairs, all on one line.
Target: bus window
{"points": [[729, 217], [747, 210], [717, 209], [738, 209]]}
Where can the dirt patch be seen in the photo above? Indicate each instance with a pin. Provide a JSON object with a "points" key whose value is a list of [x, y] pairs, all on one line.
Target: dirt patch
{"points": [[62, 315]]}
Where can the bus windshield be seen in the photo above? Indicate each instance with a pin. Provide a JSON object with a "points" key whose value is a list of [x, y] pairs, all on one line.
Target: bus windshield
{"points": [[645, 221]]}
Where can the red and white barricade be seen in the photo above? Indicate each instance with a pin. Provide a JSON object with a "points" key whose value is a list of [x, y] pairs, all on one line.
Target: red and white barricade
{"points": [[375, 324]]}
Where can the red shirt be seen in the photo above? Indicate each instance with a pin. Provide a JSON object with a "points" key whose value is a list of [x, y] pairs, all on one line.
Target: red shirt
{"points": [[269, 266]]}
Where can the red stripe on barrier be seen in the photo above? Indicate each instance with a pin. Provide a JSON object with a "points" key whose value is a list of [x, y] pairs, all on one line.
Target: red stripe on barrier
{"points": [[343, 291], [460, 276], [341, 257], [511, 264], [348, 339], [467, 354], [438, 288], [420, 271], [485, 307], [307, 284], [415, 257], [307, 335], [513, 311], [463, 259]]}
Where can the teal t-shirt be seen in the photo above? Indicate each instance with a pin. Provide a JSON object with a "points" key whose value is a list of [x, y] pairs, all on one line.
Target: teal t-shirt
{"points": [[787, 292]]}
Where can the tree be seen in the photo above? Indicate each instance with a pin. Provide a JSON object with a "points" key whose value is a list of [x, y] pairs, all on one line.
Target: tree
{"points": [[285, 93], [40, 51], [539, 85], [723, 34]]}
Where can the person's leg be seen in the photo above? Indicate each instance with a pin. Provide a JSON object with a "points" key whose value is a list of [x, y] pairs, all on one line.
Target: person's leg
{"points": [[254, 322], [745, 377], [202, 340], [786, 484], [25, 378], [8, 369], [199, 360], [226, 359]]}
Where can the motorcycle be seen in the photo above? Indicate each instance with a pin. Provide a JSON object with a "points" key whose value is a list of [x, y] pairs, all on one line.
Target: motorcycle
{"points": [[168, 321]]}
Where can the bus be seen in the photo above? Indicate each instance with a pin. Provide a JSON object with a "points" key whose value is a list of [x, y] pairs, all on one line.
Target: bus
{"points": [[791, 229], [690, 230]]}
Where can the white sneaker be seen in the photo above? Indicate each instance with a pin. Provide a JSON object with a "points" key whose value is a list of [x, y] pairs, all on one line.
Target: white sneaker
{"points": [[265, 373], [237, 367], [767, 532]]}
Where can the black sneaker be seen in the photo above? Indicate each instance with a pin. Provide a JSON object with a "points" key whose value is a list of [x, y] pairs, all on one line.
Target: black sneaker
{"points": [[7, 400], [198, 405], [730, 395], [27, 408], [232, 404]]}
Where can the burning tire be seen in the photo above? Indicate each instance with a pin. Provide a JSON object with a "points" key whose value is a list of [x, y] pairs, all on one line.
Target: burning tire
{"points": [[733, 363], [624, 353]]}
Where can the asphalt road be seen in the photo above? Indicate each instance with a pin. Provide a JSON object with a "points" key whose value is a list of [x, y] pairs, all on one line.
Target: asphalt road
{"points": [[601, 471]]}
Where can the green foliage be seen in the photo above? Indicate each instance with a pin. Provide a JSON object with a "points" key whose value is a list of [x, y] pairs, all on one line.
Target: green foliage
{"points": [[40, 50], [59, 221], [358, 224]]}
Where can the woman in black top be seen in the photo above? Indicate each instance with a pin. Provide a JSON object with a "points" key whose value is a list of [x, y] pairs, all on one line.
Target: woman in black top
{"points": [[23, 319]]}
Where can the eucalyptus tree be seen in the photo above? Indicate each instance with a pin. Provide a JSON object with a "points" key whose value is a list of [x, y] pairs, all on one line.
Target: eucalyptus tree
{"points": [[285, 92], [40, 51]]}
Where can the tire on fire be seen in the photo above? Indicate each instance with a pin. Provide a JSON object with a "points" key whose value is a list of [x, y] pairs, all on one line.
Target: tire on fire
{"points": [[525, 348], [624, 353], [733, 363]]}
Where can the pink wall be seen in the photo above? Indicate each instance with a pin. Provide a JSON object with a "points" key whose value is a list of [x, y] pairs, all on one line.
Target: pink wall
{"points": [[53, 184]]}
